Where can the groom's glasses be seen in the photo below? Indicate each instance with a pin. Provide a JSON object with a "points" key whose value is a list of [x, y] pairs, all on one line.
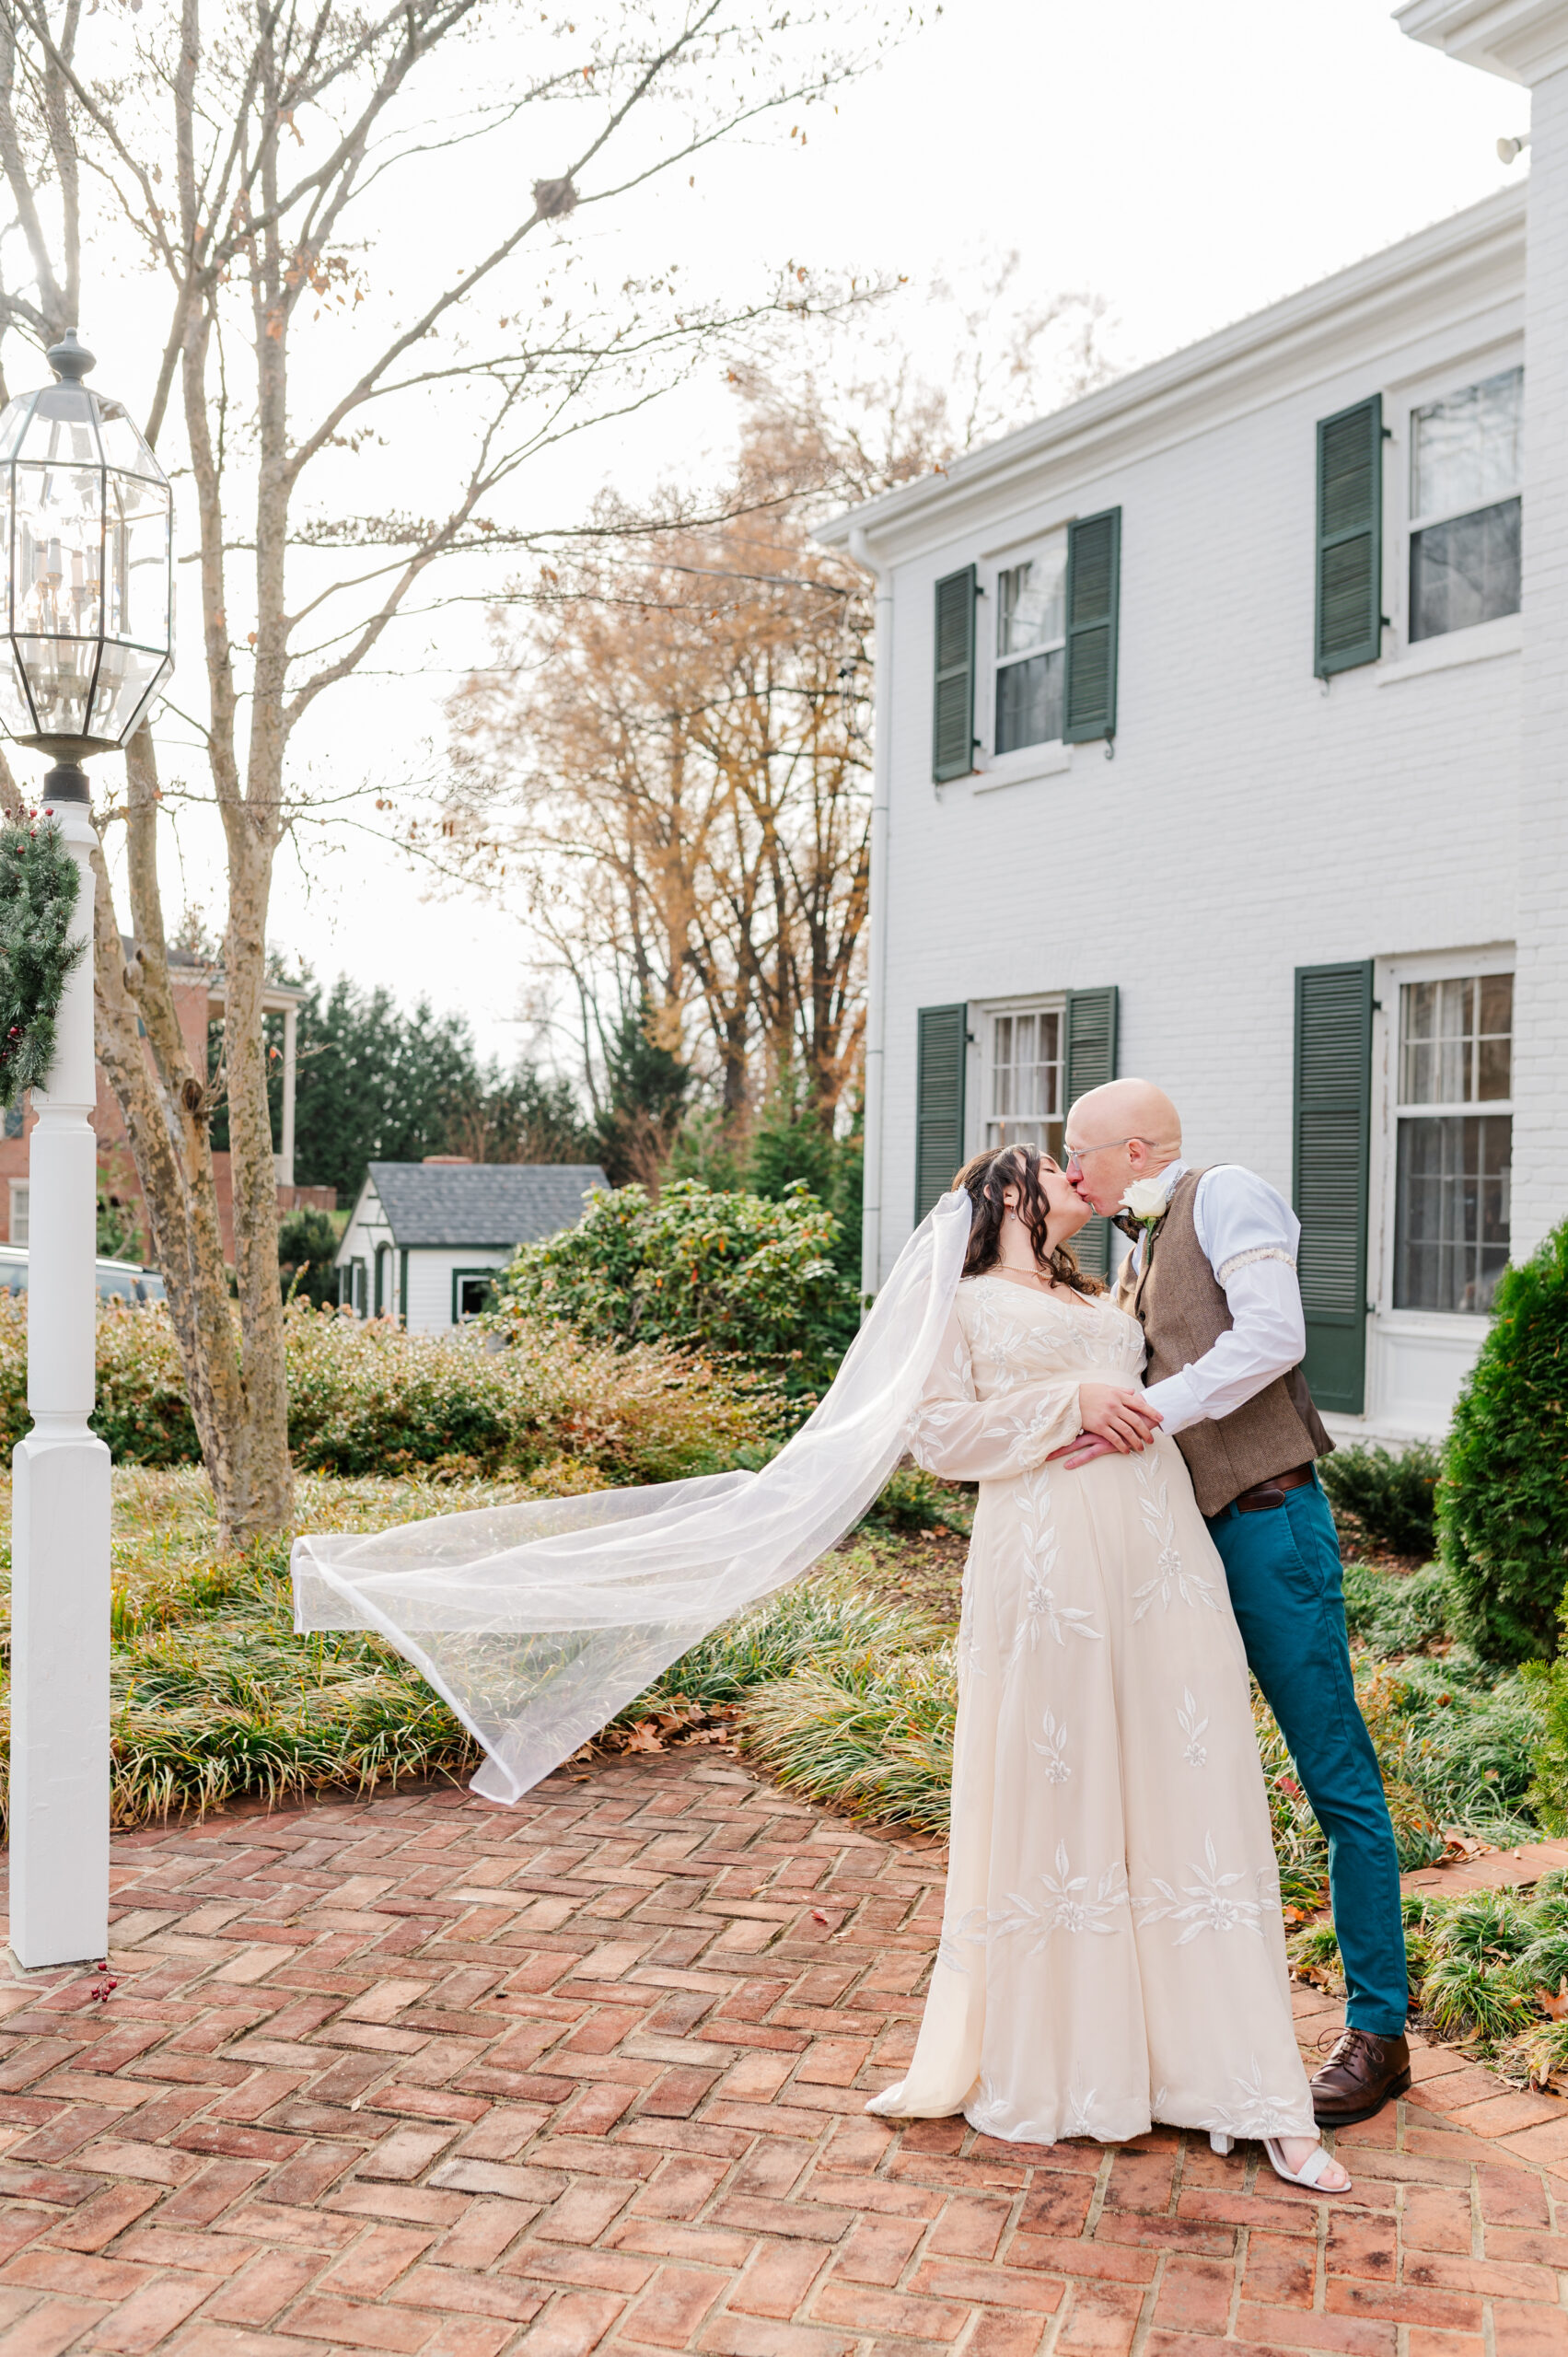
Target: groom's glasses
{"points": [[1105, 1145]]}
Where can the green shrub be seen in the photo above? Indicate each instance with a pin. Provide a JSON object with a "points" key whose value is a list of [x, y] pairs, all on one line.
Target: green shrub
{"points": [[307, 1244], [747, 1280], [1389, 1498], [366, 1398], [1502, 1501]]}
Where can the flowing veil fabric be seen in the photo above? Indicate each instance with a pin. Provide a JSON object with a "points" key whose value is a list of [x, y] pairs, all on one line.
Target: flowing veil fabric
{"points": [[538, 1623]]}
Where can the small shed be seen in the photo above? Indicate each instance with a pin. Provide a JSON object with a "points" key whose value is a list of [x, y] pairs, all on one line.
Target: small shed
{"points": [[425, 1237]]}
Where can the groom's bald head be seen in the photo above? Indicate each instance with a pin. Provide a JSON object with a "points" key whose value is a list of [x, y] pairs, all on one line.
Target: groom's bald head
{"points": [[1125, 1130]]}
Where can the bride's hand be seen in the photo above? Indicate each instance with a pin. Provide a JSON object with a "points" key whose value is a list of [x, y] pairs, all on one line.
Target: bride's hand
{"points": [[1116, 1413]]}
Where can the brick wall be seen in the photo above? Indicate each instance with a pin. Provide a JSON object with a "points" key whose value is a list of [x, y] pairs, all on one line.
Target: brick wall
{"points": [[118, 1172]]}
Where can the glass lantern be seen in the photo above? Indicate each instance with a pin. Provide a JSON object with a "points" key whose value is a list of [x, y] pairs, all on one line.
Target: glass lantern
{"points": [[85, 522]]}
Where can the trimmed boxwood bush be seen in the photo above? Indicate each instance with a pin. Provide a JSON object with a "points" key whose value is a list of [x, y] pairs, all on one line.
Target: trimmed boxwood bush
{"points": [[1502, 1501], [1388, 1498]]}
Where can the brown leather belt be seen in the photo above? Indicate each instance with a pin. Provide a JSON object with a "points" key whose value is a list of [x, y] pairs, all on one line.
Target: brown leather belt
{"points": [[1265, 1495]]}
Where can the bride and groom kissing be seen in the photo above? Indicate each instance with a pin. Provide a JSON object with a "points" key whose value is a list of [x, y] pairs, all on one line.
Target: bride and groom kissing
{"points": [[1149, 1523], [1112, 1949]]}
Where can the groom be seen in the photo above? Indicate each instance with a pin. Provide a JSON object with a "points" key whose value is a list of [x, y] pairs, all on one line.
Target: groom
{"points": [[1212, 1278]]}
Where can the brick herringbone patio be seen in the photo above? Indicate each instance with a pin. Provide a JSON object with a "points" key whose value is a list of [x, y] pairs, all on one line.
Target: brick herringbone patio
{"points": [[423, 2077]]}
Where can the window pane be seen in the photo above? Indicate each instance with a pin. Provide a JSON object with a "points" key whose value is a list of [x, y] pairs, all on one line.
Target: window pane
{"points": [[1456, 1042], [1026, 1081], [1028, 701], [1465, 572], [1031, 602], [136, 562], [1465, 450], [1451, 1211]]}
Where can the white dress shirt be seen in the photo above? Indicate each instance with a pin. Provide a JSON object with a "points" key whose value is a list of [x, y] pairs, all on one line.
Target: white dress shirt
{"points": [[1249, 1236]]}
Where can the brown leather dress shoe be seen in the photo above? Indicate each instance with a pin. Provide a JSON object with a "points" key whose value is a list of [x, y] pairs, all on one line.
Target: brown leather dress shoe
{"points": [[1361, 2075]]}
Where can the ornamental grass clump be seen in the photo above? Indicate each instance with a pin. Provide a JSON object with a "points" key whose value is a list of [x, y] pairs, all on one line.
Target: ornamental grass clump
{"points": [[1488, 1970], [1502, 1501]]}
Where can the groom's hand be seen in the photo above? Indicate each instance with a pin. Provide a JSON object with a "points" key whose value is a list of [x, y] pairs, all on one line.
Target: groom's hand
{"points": [[1082, 1451], [1118, 1414]]}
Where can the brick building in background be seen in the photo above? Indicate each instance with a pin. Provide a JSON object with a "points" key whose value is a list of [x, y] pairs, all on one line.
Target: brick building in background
{"points": [[199, 999]]}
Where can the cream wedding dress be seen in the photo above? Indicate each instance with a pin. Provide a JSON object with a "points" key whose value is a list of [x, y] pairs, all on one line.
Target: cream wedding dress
{"points": [[1112, 1950]]}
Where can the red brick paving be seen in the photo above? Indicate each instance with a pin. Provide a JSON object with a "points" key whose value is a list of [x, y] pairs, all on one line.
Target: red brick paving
{"points": [[421, 2077]]}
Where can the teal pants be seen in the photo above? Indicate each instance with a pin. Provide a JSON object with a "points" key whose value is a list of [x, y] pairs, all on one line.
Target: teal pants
{"points": [[1285, 1588]]}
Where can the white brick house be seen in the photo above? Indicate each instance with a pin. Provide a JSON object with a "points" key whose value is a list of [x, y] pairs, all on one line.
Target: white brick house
{"points": [[1221, 738]]}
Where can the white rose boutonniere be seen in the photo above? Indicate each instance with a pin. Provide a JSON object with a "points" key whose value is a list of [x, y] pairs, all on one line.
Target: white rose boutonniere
{"points": [[1145, 1199]]}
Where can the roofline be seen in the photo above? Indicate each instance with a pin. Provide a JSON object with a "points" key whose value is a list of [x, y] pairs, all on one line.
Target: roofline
{"points": [[276, 997], [1237, 367], [370, 1190]]}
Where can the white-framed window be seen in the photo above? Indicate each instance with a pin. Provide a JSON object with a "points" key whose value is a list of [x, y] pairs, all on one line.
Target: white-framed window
{"points": [[18, 1228], [1023, 1049], [1030, 654], [470, 1292], [1465, 478], [1453, 1119]]}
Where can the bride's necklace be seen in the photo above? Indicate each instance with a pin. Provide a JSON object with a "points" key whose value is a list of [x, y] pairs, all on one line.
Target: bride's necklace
{"points": [[1037, 1280]]}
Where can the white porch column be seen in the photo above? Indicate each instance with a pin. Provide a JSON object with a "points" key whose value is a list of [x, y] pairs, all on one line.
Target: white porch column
{"points": [[290, 1053], [1527, 41], [61, 1510]]}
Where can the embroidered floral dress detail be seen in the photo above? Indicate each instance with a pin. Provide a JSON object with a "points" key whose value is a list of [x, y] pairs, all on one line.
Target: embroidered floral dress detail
{"points": [[1110, 1828], [1192, 1724]]}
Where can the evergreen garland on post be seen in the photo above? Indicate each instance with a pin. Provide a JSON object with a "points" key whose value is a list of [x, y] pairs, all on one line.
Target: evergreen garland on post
{"points": [[38, 897]]}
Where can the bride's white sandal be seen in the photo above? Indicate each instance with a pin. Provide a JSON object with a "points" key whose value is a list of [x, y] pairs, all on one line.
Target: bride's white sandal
{"points": [[1318, 2159]]}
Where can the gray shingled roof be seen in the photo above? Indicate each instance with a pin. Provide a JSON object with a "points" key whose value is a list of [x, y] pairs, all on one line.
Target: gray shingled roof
{"points": [[488, 1203]]}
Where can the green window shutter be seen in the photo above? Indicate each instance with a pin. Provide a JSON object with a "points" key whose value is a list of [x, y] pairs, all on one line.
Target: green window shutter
{"points": [[938, 1101], [952, 732], [1094, 588], [1350, 538], [1091, 1062], [1333, 1108]]}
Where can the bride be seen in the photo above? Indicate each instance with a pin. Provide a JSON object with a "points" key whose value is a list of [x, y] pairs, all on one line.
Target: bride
{"points": [[1112, 1951]]}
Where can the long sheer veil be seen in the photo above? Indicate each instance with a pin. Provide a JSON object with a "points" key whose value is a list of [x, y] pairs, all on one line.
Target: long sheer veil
{"points": [[538, 1622]]}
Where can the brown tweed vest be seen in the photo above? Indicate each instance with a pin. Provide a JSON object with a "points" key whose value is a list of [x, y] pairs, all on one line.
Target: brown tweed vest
{"points": [[1181, 1304]]}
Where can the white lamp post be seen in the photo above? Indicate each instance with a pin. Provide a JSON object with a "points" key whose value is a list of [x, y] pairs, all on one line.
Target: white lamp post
{"points": [[86, 644]]}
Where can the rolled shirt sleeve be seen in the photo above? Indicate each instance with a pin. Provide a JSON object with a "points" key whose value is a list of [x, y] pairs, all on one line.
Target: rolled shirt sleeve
{"points": [[1248, 1234]]}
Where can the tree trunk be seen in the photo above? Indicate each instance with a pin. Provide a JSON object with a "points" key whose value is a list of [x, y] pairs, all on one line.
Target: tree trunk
{"points": [[165, 1103]]}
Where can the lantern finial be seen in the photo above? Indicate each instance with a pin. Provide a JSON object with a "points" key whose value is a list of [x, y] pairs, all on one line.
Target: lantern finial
{"points": [[69, 359]]}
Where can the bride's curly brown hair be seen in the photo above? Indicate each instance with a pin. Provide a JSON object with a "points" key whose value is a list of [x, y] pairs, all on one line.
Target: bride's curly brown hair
{"points": [[985, 1179]]}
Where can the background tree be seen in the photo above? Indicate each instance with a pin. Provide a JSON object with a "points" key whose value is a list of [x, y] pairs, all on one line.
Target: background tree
{"points": [[670, 762], [375, 1084], [242, 156], [668, 767]]}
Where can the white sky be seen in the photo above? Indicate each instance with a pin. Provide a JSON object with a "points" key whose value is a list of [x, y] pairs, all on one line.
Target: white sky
{"points": [[1188, 164]]}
